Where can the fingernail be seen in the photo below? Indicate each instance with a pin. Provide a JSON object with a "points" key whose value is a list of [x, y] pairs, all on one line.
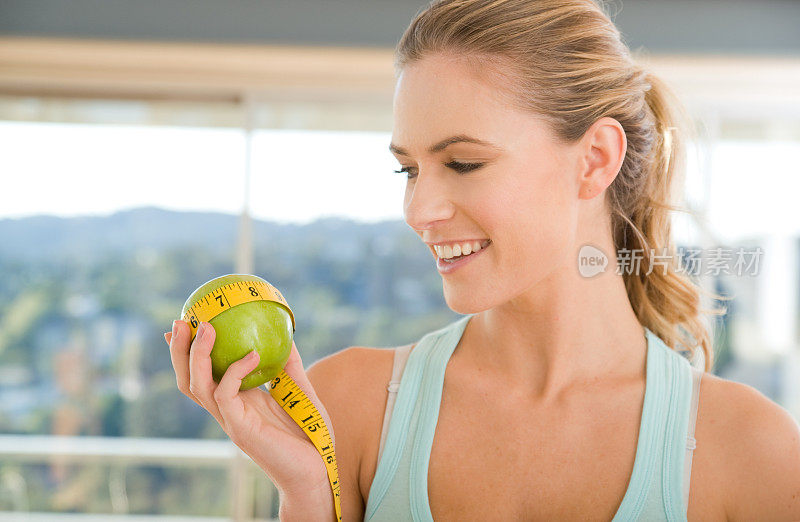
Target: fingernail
{"points": [[174, 328], [252, 355], [201, 330]]}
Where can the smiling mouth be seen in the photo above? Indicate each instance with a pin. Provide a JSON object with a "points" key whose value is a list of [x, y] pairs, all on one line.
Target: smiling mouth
{"points": [[455, 258]]}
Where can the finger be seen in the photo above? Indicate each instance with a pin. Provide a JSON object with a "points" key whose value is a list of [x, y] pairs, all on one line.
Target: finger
{"points": [[201, 381], [294, 365], [179, 353], [226, 394], [167, 336]]}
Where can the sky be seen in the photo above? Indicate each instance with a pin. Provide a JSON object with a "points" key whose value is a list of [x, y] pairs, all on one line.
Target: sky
{"points": [[297, 176]]}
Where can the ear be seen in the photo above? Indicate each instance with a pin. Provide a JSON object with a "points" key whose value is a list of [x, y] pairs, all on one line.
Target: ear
{"points": [[602, 150]]}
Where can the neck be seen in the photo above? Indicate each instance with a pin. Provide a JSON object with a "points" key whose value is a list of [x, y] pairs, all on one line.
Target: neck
{"points": [[565, 331]]}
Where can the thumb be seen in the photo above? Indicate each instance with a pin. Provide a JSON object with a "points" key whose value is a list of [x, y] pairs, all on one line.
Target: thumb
{"points": [[295, 362], [294, 369]]}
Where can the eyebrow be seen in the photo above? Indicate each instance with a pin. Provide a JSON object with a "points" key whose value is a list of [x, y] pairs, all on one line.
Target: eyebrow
{"points": [[438, 147]]}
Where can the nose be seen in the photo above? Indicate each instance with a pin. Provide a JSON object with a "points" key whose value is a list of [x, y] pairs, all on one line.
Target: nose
{"points": [[428, 200]]}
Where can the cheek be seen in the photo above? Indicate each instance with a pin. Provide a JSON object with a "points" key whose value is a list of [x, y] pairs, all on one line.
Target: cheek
{"points": [[536, 218]]}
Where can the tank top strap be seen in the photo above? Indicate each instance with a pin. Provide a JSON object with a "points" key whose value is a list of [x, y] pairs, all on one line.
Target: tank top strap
{"points": [[691, 443], [667, 488], [400, 356], [410, 420]]}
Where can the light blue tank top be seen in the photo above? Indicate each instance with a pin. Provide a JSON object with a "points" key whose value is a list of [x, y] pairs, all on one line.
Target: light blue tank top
{"points": [[658, 487]]}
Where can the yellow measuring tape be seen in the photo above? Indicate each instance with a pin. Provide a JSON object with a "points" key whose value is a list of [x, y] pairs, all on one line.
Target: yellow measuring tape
{"points": [[282, 388]]}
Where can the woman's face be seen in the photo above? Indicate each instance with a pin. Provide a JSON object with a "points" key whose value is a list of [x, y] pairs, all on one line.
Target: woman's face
{"points": [[523, 193]]}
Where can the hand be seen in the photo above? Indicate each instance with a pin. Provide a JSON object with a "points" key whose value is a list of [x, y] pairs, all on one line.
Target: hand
{"points": [[252, 418]]}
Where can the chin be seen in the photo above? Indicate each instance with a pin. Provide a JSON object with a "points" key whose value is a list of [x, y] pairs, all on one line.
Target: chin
{"points": [[465, 302]]}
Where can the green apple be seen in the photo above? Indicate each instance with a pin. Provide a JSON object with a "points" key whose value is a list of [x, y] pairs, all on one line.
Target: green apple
{"points": [[263, 326]]}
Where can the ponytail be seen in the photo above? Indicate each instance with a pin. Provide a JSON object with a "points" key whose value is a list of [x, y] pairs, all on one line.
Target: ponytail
{"points": [[664, 299]]}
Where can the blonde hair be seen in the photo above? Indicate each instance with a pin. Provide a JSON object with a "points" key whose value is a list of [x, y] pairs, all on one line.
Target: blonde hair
{"points": [[565, 61]]}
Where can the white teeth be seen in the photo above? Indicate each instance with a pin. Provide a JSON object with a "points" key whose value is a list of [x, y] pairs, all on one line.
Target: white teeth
{"points": [[463, 249]]}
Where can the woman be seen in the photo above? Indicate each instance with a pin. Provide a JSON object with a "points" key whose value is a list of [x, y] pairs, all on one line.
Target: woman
{"points": [[530, 140]]}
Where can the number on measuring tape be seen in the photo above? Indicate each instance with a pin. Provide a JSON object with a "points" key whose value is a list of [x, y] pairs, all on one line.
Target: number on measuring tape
{"points": [[230, 295], [288, 394]]}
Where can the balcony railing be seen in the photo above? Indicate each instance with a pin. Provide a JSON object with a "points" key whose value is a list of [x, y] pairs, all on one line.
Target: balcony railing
{"points": [[221, 454]]}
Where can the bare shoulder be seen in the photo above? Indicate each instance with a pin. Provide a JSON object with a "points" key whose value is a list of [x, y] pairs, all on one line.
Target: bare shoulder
{"points": [[352, 384], [757, 450], [348, 378]]}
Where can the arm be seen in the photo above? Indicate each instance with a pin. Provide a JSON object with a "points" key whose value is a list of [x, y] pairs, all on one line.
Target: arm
{"points": [[312, 504], [763, 449]]}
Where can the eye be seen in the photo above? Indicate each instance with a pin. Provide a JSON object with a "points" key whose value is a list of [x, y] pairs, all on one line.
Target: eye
{"points": [[406, 169], [461, 168]]}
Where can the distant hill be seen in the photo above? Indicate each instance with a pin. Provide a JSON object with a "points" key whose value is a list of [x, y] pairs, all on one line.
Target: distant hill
{"points": [[49, 238]]}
